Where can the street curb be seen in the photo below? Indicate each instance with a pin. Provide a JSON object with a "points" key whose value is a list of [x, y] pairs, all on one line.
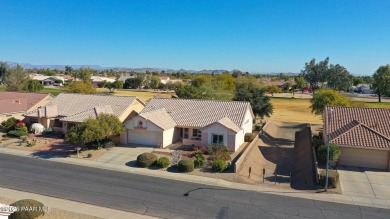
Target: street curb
{"points": [[336, 198]]}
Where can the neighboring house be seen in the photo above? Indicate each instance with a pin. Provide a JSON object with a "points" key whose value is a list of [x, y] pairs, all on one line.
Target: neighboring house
{"points": [[124, 78], [363, 135], [164, 79], [96, 80], [66, 110], [48, 80], [195, 122], [15, 104], [276, 82]]}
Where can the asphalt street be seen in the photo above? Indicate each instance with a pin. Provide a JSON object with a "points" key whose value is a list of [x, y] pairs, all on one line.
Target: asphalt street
{"points": [[162, 197]]}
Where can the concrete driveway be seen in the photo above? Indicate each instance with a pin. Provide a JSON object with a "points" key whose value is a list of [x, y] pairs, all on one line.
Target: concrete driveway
{"points": [[122, 155], [364, 182]]}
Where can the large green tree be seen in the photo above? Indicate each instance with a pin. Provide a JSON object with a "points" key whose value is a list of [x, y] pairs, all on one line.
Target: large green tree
{"points": [[315, 73], [300, 82], [381, 82], [84, 74], [16, 78], [327, 97], [261, 104], [80, 87], [338, 78], [154, 82], [103, 127], [114, 85], [32, 86], [4, 68]]}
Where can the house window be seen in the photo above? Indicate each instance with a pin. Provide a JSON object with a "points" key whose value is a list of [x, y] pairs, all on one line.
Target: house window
{"points": [[57, 123], [140, 124], [185, 133], [196, 133], [217, 139]]}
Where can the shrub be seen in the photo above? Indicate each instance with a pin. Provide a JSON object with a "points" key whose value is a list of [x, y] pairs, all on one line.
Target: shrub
{"points": [[9, 124], [219, 166], [249, 137], [257, 127], [200, 159], [104, 143], [163, 162], [146, 160], [333, 178], [27, 204], [17, 133], [186, 165], [334, 152], [89, 155]]}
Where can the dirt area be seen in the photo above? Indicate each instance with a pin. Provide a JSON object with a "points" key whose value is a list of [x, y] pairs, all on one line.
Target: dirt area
{"points": [[52, 146], [54, 213]]}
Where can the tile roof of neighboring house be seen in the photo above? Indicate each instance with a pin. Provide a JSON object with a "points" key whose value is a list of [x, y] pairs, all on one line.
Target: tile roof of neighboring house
{"points": [[90, 113], [160, 118], [68, 77], [19, 101], [363, 127], [124, 78], [101, 79], [200, 113], [79, 106]]}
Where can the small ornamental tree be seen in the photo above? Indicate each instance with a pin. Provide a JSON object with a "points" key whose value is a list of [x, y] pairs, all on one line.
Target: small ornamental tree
{"points": [[9, 124], [92, 130], [327, 97]]}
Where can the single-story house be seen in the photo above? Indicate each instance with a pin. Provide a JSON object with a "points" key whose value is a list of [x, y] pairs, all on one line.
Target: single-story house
{"points": [[276, 82], [15, 104], [195, 122], [124, 78], [66, 110], [96, 80], [363, 135], [164, 79]]}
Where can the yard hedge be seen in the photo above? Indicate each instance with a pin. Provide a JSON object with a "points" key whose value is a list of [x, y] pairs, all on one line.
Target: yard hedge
{"points": [[219, 166], [163, 162], [249, 137], [27, 203], [333, 178], [334, 152], [186, 165], [146, 160]]}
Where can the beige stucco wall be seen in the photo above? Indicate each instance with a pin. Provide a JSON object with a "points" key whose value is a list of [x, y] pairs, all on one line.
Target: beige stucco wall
{"points": [[247, 125]]}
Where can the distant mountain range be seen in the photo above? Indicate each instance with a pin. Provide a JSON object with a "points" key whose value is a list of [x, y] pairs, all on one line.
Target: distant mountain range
{"points": [[117, 69]]}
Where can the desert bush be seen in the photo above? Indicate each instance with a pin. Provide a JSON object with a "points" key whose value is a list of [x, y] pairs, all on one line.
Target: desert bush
{"points": [[146, 160], [9, 124], [221, 153], [104, 143], [249, 137], [200, 159], [333, 178], [163, 162], [334, 152], [219, 165], [27, 205], [186, 165], [257, 127], [17, 133]]}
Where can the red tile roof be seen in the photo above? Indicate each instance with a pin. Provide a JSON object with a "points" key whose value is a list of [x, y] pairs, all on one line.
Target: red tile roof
{"points": [[19, 101], [363, 127]]}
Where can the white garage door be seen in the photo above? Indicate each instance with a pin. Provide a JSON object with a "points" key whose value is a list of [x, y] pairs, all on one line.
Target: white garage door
{"points": [[364, 158], [143, 137]]}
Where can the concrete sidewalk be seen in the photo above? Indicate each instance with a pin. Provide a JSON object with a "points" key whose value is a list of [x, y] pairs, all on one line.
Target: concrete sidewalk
{"points": [[345, 199], [77, 207]]}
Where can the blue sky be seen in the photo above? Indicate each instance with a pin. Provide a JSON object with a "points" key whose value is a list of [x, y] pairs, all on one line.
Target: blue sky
{"points": [[255, 36]]}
